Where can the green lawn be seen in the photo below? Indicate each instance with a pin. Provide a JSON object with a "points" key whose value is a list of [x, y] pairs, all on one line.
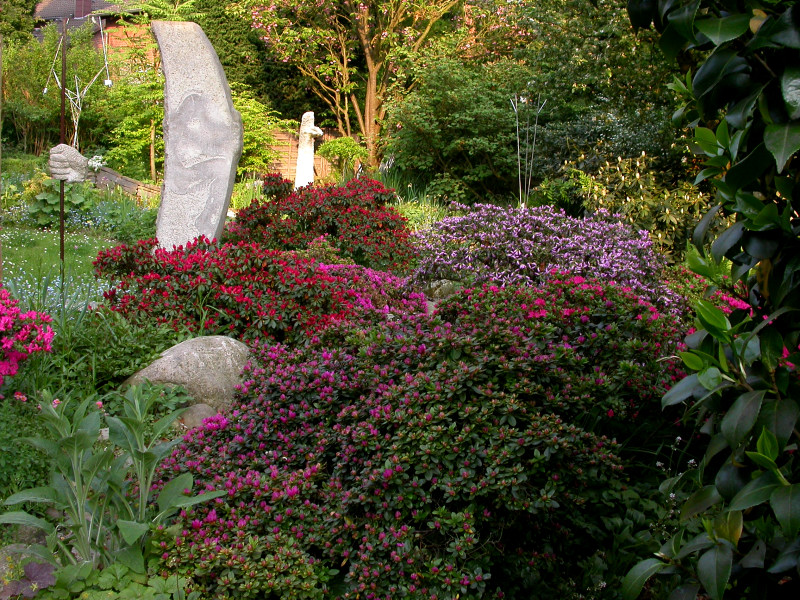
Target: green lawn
{"points": [[31, 264]]}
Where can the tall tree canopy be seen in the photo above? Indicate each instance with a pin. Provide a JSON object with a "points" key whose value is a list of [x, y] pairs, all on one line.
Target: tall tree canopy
{"points": [[16, 18], [352, 51]]}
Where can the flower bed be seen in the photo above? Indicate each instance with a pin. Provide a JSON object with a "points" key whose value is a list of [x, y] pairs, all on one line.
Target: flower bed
{"points": [[21, 334], [245, 290], [425, 456]]}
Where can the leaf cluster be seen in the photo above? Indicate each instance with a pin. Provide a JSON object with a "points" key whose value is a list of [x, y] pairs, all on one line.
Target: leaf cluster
{"points": [[742, 102]]}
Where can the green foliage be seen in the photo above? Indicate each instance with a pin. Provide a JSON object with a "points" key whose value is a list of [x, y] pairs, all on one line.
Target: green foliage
{"points": [[116, 582], [23, 165], [45, 210], [457, 129], [95, 350], [343, 153], [136, 142], [602, 83], [259, 123], [421, 212], [633, 188], [245, 192], [133, 108], [245, 60], [105, 493], [743, 386], [33, 113], [168, 10], [123, 218], [21, 467], [10, 191], [16, 19], [561, 193]]}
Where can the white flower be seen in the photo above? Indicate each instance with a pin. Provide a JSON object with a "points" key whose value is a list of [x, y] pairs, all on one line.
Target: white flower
{"points": [[96, 162]]}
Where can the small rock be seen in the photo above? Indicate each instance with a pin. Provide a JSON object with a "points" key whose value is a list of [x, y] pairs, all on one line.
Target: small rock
{"points": [[442, 288]]}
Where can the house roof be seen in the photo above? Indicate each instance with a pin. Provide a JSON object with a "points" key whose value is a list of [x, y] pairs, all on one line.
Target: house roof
{"points": [[58, 9]]}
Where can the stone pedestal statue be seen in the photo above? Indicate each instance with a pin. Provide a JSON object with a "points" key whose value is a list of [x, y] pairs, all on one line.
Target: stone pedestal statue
{"points": [[305, 151], [202, 136], [67, 164]]}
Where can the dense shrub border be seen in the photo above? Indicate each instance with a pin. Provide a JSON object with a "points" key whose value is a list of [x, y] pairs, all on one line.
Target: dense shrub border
{"points": [[245, 290], [355, 217], [425, 456], [522, 246]]}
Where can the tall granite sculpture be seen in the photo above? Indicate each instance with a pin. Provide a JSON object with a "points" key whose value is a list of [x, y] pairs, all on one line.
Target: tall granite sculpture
{"points": [[305, 151], [202, 136]]}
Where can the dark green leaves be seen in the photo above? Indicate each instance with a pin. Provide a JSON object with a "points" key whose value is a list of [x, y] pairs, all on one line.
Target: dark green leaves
{"points": [[638, 575], [684, 389], [714, 570], [724, 29], [700, 501], [785, 501], [741, 417], [720, 64], [756, 492], [782, 141]]}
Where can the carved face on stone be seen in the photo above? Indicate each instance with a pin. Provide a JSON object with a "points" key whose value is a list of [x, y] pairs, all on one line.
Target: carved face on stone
{"points": [[204, 133]]}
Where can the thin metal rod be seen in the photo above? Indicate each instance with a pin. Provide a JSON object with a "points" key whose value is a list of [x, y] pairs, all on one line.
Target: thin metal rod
{"points": [[62, 138]]}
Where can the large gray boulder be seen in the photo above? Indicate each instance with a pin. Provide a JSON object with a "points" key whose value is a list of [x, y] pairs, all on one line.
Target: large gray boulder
{"points": [[202, 136], [208, 367]]}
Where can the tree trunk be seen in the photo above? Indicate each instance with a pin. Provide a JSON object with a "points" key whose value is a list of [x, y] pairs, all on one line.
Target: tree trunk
{"points": [[371, 126]]}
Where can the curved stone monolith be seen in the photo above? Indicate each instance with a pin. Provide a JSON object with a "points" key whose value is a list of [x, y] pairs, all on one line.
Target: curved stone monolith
{"points": [[202, 136]]}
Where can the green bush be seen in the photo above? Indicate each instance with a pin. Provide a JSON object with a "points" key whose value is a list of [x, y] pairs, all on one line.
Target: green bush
{"points": [[123, 218], [21, 466], [456, 130], [343, 153], [95, 351], [632, 188]]}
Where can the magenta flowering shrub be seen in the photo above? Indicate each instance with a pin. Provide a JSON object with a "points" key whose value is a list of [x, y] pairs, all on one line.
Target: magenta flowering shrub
{"points": [[21, 334], [245, 290], [522, 246], [425, 456], [354, 217]]}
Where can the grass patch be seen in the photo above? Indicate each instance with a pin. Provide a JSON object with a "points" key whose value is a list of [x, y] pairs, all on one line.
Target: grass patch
{"points": [[32, 266]]}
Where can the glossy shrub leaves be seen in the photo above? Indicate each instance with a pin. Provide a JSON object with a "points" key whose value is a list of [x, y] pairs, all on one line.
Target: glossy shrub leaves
{"points": [[743, 101]]}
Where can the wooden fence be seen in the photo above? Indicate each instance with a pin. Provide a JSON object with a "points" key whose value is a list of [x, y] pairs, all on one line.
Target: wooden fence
{"points": [[286, 145], [108, 178]]}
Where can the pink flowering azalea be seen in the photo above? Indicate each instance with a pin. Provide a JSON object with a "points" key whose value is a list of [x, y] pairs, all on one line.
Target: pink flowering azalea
{"points": [[21, 334]]}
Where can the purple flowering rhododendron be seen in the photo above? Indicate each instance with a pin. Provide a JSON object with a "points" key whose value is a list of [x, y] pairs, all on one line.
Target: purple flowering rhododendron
{"points": [[523, 246]]}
